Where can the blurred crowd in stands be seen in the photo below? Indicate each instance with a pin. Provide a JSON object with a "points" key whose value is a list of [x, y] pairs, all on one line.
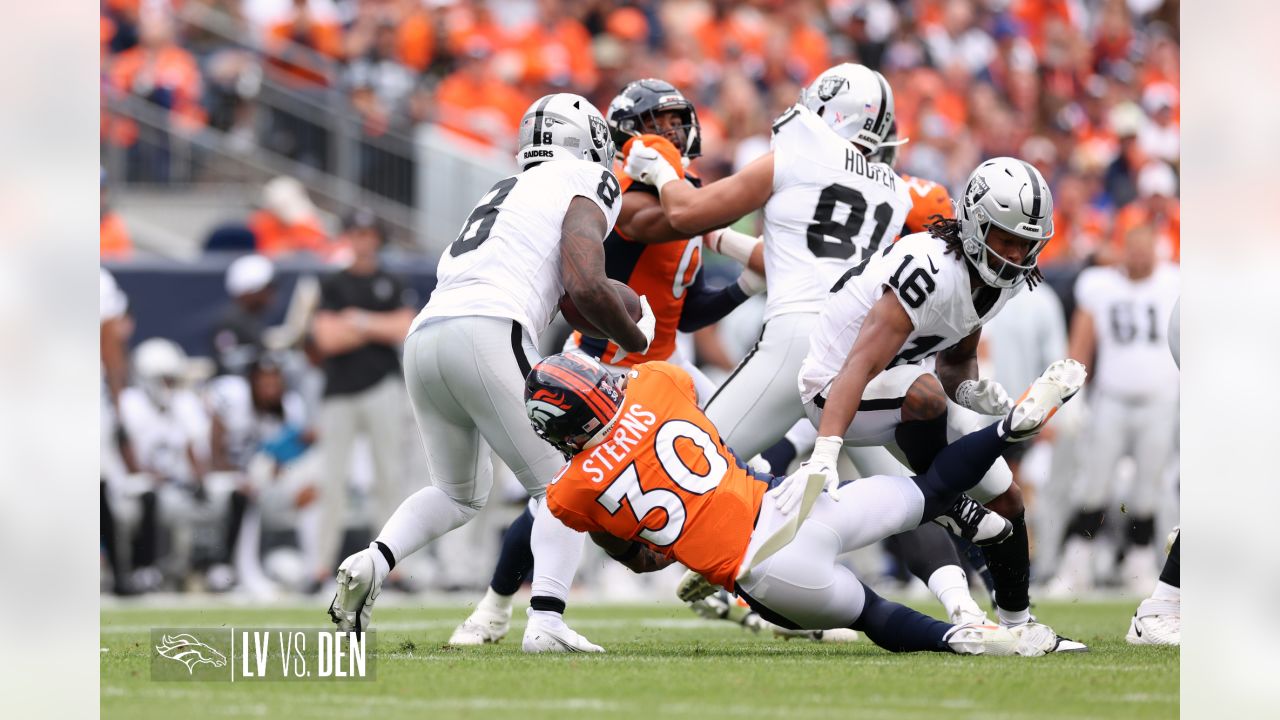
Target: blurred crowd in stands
{"points": [[1085, 89]]}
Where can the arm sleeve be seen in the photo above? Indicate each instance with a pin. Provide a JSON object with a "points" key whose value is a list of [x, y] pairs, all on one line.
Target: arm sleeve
{"points": [[703, 306]]}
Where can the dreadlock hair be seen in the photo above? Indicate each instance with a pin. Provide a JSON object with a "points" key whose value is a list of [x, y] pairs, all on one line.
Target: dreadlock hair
{"points": [[948, 231]]}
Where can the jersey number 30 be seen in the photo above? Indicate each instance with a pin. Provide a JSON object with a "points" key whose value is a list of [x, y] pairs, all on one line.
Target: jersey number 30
{"points": [[642, 501]]}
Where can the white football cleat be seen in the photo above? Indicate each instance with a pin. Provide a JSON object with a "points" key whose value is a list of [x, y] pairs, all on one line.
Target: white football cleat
{"points": [[1059, 383], [1034, 639], [834, 635], [983, 639], [545, 635], [358, 588], [1036, 636], [968, 519], [1157, 622], [484, 625]]}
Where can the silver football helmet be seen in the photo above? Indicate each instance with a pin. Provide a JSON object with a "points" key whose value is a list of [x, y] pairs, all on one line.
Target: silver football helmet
{"points": [[855, 101], [1012, 195], [563, 126], [158, 366]]}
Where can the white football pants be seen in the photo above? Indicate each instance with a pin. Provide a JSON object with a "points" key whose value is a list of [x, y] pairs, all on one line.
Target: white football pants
{"points": [[803, 582], [465, 377], [1142, 428], [760, 401]]}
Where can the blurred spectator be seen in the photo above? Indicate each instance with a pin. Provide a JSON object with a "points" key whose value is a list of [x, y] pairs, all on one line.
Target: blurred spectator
{"points": [[1079, 228], [302, 46], [555, 51], [1160, 138], [1120, 181], [364, 315], [237, 333], [158, 72], [113, 236], [474, 103], [1156, 208], [288, 221]]}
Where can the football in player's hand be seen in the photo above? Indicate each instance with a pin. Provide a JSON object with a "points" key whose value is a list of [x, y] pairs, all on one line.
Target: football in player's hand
{"points": [[578, 322]]}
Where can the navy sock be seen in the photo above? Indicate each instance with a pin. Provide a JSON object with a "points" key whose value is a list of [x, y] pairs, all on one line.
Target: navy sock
{"points": [[898, 628], [1171, 575], [958, 467], [779, 456], [921, 441], [515, 562]]}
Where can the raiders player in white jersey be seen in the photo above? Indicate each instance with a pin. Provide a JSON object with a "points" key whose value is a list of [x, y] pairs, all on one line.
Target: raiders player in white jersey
{"points": [[827, 208], [1120, 330], [867, 379], [535, 236]]}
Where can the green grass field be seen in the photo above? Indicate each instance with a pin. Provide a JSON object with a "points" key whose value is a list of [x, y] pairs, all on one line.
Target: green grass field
{"points": [[662, 663]]}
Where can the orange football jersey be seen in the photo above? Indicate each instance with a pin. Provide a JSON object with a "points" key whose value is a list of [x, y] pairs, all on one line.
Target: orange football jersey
{"points": [[662, 272], [928, 198], [664, 478]]}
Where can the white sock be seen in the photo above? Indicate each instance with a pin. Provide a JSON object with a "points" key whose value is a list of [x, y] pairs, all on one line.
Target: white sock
{"points": [[421, 518], [1013, 617], [1165, 591], [495, 603], [556, 552], [951, 587]]}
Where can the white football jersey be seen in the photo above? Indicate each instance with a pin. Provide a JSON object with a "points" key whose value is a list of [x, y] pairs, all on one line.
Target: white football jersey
{"points": [[230, 400], [506, 261], [160, 437], [932, 287], [1131, 325], [831, 208]]}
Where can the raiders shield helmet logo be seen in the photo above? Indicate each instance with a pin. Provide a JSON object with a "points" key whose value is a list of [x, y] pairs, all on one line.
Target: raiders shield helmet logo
{"points": [[599, 133], [831, 86]]}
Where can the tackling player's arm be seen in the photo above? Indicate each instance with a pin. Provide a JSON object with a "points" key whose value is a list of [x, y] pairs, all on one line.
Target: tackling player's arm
{"points": [[958, 363], [636, 556], [583, 275], [643, 220], [883, 333], [694, 210]]}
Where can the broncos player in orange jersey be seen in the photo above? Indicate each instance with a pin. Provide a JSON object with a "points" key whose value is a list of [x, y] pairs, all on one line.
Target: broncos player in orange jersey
{"points": [[658, 262], [653, 483]]}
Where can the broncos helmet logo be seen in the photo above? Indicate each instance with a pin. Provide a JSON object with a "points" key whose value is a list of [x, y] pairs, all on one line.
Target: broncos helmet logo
{"points": [[189, 651], [831, 86], [545, 405]]}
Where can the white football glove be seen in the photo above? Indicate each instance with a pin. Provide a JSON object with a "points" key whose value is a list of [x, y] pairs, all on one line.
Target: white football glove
{"points": [[646, 165], [826, 452], [647, 323], [693, 587], [985, 396]]}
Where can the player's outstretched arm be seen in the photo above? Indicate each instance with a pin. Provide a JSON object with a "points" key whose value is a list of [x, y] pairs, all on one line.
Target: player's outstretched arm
{"points": [[582, 272], [694, 210], [643, 220], [883, 334], [634, 555]]}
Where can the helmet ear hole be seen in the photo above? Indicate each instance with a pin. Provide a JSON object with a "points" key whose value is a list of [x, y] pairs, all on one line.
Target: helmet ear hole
{"points": [[821, 110]]}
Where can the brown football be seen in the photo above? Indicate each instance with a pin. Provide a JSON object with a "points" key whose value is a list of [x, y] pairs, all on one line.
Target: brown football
{"points": [[576, 320]]}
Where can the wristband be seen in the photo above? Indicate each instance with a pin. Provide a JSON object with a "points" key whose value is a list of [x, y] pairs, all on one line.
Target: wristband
{"points": [[663, 175], [827, 449], [735, 245], [965, 392]]}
